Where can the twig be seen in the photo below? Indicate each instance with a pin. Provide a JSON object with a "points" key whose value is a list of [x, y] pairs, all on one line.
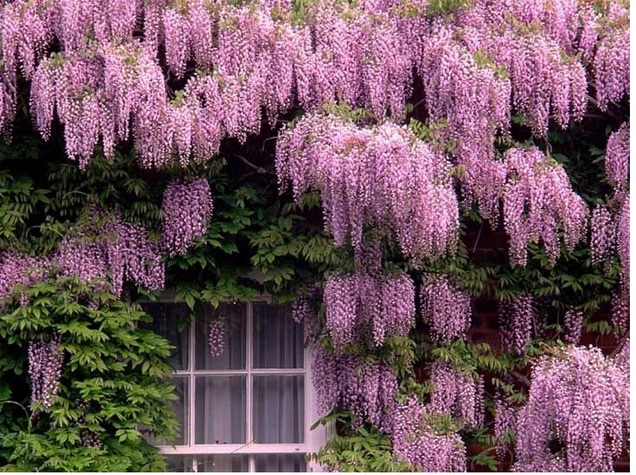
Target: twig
{"points": [[619, 347], [520, 377], [595, 103], [478, 236], [247, 162]]}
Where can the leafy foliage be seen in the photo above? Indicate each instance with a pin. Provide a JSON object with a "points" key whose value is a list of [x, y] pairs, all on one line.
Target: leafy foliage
{"points": [[111, 384]]}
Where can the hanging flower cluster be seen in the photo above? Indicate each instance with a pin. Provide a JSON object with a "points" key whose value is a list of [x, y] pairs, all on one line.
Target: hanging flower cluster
{"points": [[620, 310], [360, 305], [415, 441], [216, 337], [617, 157], [611, 61], [19, 269], [580, 400], [123, 251], [505, 419], [368, 390], [45, 370], [445, 308], [515, 322], [457, 394], [382, 176], [186, 210], [539, 205], [603, 235], [622, 241], [572, 326]]}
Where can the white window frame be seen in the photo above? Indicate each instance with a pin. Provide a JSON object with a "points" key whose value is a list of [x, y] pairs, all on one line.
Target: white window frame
{"points": [[313, 439]]}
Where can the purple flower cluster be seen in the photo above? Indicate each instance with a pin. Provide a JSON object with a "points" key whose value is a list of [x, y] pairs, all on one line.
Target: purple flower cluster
{"points": [[115, 252], [457, 394], [217, 336], [617, 157], [620, 310], [19, 269], [572, 326], [416, 442], [368, 390], [45, 370], [445, 308], [83, 257], [505, 418], [603, 234], [581, 400], [622, 240], [382, 176], [515, 322], [359, 305], [186, 209], [611, 61], [540, 205]]}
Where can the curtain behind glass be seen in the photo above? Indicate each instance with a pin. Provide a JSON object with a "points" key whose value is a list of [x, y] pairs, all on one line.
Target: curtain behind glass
{"points": [[278, 401], [168, 320], [278, 340]]}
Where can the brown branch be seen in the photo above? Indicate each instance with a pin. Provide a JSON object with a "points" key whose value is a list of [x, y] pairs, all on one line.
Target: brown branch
{"points": [[520, 377], [250, 164], [619, 347]]}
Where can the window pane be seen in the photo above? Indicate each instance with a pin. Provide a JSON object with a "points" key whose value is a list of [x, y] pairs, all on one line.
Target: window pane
{"points": [[222, 463], [279, 408], [278, 340], [168, 320], [281, 463], [180, 408], [220, 410], [179, 463], [233, 332]]}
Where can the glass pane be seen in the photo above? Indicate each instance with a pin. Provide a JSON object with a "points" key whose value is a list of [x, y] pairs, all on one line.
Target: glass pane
{"points": [[179, 463], [281, 463], [278, 340], [222, 463], [279, 408], [180, 408], [220, 410], [168, 320], [227, 325]]}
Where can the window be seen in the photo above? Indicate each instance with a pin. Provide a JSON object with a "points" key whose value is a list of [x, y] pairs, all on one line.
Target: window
{"points": [[248, 406]]}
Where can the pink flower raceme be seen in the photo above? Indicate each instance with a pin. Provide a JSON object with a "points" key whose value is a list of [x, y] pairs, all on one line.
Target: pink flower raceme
{"points": [[617, 157], [216, 337], [45, 370], [381, 176], [415, 441], [540, 205], [360, 305], [457, 394], [573, 326], [603, 235], [579, 399], [515, 322], [445, 308], [368, 390], [187, 209]]}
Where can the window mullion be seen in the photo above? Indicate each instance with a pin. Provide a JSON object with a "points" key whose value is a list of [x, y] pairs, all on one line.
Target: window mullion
{"points": [[248, 365], [191, 385]]}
